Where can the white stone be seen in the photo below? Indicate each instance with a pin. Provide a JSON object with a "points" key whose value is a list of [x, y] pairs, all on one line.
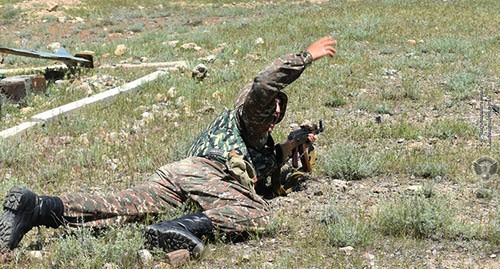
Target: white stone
{"points": [[120, 49]]}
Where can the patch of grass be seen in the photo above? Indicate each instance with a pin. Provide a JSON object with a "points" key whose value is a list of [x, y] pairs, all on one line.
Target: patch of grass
{"points": [[349, 162], [451, 128], [137, 27], [396, 130], [428, 168], [383, 108], [335, 100], [412, 88], [448, 44], [347, 228], [83, 249], [418, 217], [462, 84], [9, 13]]}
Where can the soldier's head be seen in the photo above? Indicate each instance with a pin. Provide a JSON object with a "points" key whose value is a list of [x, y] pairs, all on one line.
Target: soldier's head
{"points": [[281, 96]]}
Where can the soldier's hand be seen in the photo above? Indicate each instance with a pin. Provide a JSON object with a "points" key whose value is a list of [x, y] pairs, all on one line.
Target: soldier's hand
{"points": [[322, 47], [311, 138]]}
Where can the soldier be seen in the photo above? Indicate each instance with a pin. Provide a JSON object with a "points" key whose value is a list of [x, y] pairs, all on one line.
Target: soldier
{"points": [[234, 153]]}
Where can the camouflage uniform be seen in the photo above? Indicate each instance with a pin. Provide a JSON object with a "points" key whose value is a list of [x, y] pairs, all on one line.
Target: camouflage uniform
{"points": [[203, 177]]}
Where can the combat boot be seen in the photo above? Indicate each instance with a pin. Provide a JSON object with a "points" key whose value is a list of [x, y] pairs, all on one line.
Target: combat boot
{"points": [[23, 210], [180, 233]]}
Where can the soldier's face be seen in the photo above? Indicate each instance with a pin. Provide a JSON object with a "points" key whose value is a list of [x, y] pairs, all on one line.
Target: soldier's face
{"points": [[277, 114]]}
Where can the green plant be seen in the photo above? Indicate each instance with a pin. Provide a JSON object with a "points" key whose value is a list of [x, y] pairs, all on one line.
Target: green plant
{"points": [[347, 228], [450, 128], [383, 109], [334, 101], [418, 216], [8, 13], [349, 162], [428, 168], [85, 249]]}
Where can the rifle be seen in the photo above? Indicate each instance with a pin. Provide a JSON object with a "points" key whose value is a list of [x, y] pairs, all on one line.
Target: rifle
{"points": [[302, 150]]}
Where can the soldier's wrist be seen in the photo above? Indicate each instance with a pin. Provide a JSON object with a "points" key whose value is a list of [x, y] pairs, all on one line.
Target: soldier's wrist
{"points": [[307, 57]]}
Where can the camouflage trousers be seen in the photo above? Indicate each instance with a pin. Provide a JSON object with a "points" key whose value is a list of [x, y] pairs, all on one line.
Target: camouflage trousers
{"points": [[231, 206]]}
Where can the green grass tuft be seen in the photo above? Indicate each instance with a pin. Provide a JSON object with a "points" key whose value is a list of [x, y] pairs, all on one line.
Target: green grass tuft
{"points": [[347, 228], [349, 162]]}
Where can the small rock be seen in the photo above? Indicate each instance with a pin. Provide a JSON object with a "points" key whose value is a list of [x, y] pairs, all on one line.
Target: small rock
{"points": [[217, 95], [209, 59], [172, 43], [145, 256], [390, 72], [120, 49], [110, 265], [54, 46], [412, 42], [52, 7], [414, 188], [178, 257], [26, 110], [206, 110], [496, 108], [199, 72], [259, 41], [162, 265], [179, 101], [191, 46], [400, 141], [85, 87], [369, 256], [36, 254], [147, 116], [172, 92], [245, 258], [61, 19], [347, 250], [379, 190], [84, 139], [251, 56]]}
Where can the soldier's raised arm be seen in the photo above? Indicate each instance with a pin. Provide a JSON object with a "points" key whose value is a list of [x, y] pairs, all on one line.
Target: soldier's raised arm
{"points": [[256, 102]]}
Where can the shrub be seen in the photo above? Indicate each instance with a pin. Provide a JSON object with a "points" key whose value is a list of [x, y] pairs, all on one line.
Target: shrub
{"points": [[349, 162], [418, 217], [113, 246], [347, 229]]}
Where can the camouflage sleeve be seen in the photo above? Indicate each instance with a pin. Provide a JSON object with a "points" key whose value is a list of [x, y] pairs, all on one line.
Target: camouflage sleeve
{"points": [[257, 103]]}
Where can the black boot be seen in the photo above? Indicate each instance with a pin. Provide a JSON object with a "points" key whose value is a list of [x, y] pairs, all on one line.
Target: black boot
{"points": [[23, 210], [181, 233]]}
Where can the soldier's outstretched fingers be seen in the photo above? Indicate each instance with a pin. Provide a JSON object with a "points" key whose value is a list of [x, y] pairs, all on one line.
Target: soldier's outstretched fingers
{"points": [[322, 47]]}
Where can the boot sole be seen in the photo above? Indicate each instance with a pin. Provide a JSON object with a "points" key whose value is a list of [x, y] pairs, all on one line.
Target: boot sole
{"points": [[13, 199], [13, 202], [173, 239]]}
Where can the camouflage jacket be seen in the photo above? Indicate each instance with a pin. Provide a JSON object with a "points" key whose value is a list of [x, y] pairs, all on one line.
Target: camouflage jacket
{"points": [[245, 128]]}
